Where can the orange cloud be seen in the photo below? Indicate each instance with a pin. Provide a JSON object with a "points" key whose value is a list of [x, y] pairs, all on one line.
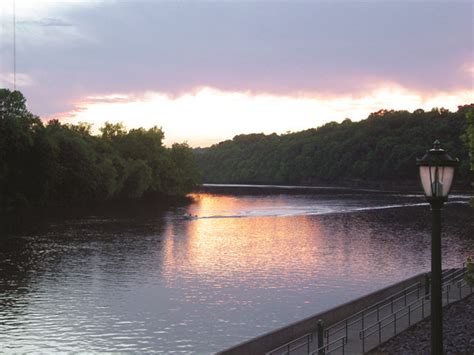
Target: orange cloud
{"points": [[207, 115]]}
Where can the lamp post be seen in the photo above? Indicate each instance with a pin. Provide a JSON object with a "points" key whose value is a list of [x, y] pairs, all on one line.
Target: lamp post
{"points": [[436, 174]]}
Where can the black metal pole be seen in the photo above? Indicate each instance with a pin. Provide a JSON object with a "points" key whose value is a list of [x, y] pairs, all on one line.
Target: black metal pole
{"points": [[320, 337], [436, 300]]}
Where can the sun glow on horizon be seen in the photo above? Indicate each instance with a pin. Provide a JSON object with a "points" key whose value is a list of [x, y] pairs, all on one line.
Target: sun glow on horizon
{"points": [[207, 115]]}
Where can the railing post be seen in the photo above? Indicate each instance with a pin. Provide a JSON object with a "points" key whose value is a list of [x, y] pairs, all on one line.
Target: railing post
{"points": [[380, 332], [363, 341], [427, 285], [409, 314], [321, 337], [346, 329], [395, 323], [422, 308]]}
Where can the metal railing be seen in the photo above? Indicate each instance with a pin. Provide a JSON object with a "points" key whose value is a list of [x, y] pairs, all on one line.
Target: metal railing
{"points": [[401, 304], [360, 316], [286, 349], [376, 327], [453, 274], [337, 344], [391, 318]]}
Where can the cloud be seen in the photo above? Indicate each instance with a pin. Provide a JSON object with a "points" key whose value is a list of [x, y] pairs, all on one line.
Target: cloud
{"points": [[22, 79], [279, 48], [45, 22], [208, 115]]}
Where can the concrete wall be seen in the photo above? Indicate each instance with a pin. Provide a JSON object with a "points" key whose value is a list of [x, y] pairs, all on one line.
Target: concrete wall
{"points": [[273, 340]]}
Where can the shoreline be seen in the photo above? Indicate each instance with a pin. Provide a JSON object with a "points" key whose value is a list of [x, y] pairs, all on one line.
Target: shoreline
{"points": [[322, 188]]}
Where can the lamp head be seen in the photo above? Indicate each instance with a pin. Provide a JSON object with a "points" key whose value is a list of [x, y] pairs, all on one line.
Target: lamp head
{"points": [[437, 172]]}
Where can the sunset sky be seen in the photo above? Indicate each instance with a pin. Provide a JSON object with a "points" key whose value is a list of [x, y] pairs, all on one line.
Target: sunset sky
{"points": [[208, 70]]}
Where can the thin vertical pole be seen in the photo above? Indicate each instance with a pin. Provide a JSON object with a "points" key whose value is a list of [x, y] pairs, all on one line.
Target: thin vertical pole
{"points": [[436, 300], [409, 314], [380, 332], [14, 45], [394, 324], [363, 341], [427, 285], [320, 337], [422, 308]]}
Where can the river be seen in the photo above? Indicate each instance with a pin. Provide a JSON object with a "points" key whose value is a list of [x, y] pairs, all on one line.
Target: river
{"points": [[201, 277]]}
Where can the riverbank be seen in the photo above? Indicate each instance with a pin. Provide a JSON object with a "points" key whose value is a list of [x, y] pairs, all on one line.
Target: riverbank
{"points": [[458, 333], [22, 220], [322, 189]]}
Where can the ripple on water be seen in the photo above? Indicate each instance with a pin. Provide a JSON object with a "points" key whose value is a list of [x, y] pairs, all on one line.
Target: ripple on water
{"points": [[158, 283]]}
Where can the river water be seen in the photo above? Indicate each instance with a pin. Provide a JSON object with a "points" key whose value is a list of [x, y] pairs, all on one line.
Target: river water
{"points": [[147, 279]]}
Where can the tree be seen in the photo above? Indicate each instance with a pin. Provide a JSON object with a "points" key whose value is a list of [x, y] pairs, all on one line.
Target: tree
{"points": [[19, 132], [380, 149], [66, 164], [468, 137]]}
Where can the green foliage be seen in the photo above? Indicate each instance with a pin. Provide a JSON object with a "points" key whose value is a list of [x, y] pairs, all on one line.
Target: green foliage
{"points": [[381, 148], [469, 276], [468, 137], [65, 164]]}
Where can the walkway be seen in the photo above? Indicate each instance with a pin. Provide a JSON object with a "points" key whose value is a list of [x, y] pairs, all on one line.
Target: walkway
{"points": [[367, 329], [458, 333]]}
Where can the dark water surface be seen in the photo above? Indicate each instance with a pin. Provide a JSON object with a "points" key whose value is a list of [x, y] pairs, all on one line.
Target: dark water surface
{"points": [[150, 280]]}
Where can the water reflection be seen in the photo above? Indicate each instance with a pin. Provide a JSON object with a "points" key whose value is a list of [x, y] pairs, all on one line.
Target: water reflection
{"points": [[150, 280]]}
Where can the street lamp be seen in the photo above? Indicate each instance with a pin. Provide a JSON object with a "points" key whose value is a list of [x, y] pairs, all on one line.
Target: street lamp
{"points": [[436, 174]]}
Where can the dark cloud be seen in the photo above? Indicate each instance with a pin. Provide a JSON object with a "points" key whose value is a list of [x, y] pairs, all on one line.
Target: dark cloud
{"points": [[277, 47]]}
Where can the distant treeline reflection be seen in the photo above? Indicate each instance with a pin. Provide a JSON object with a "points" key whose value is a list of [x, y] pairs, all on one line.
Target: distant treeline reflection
{"points": [[64, 164], [379, 151]]}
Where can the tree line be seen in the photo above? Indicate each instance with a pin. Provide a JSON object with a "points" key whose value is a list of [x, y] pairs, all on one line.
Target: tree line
{"points": [[468, 138], [63, 164], [57, 163], [378, 151]]}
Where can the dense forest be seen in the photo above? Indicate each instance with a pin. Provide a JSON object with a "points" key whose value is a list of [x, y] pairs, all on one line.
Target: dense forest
{"points": [[64, 164], [58, 164], [378, 151]]}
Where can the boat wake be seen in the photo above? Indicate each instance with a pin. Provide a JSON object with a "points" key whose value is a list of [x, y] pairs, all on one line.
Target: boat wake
{"points": [[293, 211]]}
